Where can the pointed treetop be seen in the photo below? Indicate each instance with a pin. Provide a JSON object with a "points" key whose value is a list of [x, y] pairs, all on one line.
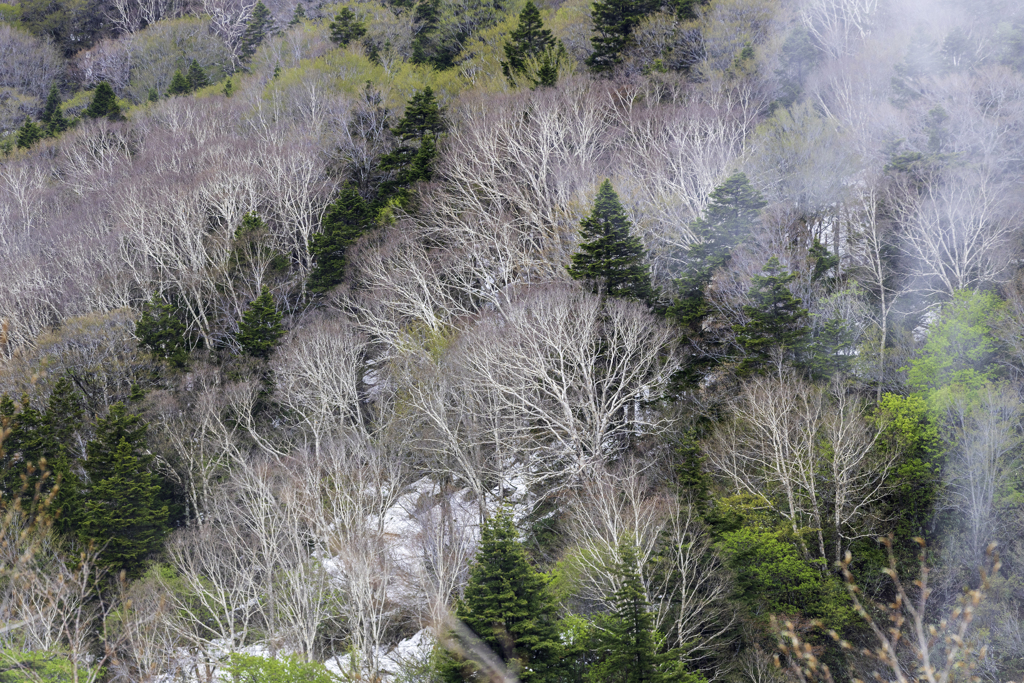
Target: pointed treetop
{"points": [[104, 103], [179, 84], [422, 115], [776, 319], [609, 255], [260, 327], [197, 77], [529, 39], [346, 27], [298, 17]]}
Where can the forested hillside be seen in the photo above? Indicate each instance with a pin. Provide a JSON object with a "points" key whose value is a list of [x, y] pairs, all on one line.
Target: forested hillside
{"points": [[597, 341]]}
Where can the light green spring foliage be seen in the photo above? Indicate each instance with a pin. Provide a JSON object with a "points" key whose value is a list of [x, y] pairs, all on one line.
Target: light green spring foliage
{"points": [[253, 669], [169, 45], [956, 360], [42, 666]]}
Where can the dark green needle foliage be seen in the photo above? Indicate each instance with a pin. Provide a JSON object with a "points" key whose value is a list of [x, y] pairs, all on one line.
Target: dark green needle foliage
{"points": [[346, 27], [259, 27], [345, 221], [104, 103], [626, 644], [197, 78], [614, 23], [609, 256], [508, 605], [428, 46], [122, 515], [161, 331], [53, 119], [179, 84], [260, 327], [413, 159], [777, 321], [29, 134], [298, 17], [39, 451], [530, 41], [687, 9]]}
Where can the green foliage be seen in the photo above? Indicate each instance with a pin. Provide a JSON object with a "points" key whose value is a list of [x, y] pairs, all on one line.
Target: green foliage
{"points": [[39, 452], [197, 77], [104, 103], [260, 327], [508, 605], [161, 330], [259, 27], [345, 221], [29, 134], [957, 357], [614, 23], [53, 117], [773, 578], [73, 25], [298, 16], [179, 84], [43, 666], [290, 669], [122, 516], [412, 161], [170, 45], [777, 322], [346, 27], [609, 256], [532, 54]]}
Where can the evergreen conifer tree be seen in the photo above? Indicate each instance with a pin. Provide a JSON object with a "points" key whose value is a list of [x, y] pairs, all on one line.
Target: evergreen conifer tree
{"points": [[160, 330], [153, 95], [529, 40], [179, 84], [260, 327], [29, 134], [777, 322], [53, 117], [298, 17], [345, 221], [614, 22], [508, 605], [122, 516], [197, 78], [346, 27], [734, 207], [259, 27], [426, 46], [104, 103], [609, 256], [413, 159]]}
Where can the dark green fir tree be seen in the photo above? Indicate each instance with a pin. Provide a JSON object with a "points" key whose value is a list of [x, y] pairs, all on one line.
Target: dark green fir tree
{"points": [[345, 221], [627, 647], [614, 23], [413, 159], [609, 256], [733, 209], [346, 27], [161, 331], [153, 95], [776, 329], [29, 134], [529, 40], [298, 16], [197, 77], [260, 327], [509, 607], [104, 103], [123, 518], [259, 27], [427, 46], [53, 119], [179, 84]]}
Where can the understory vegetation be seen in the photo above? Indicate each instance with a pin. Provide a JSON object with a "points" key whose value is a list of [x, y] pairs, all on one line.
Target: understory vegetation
{"points": [[614, 341]]}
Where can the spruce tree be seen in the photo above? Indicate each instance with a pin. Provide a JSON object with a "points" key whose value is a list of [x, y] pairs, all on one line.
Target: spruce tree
{"points": [[508, 605], [197, 78], [161, 330], [259, 27], [122, 516], [777, 323], [29, 134], [413, 159], [529, 40], [298, 16], [733, 209], [104, 103], [53, 119], [260, 327], [426, 47], [179, 84], [609, 256], [614, 22], [153, 95], [345, 221], [346, 27]]}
